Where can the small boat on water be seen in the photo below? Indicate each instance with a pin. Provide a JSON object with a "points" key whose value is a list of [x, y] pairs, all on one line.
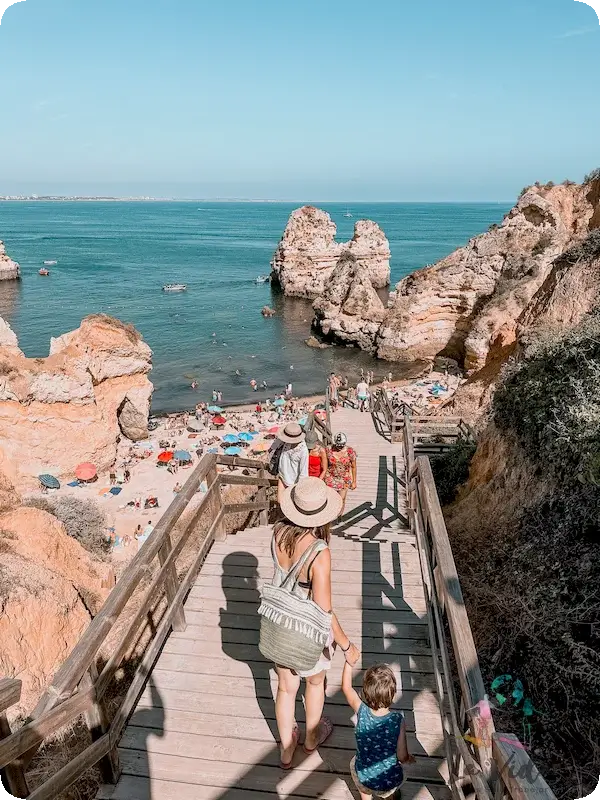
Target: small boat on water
{"points": [[50, 263], [44, 271], [262, 279], [174, 287], [347, 214]]}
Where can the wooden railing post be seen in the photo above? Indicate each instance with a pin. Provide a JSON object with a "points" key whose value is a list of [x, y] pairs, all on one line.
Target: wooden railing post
{"points": [[216, 505], [97, 721], [261, 496], [171, 583], [14, 774]]}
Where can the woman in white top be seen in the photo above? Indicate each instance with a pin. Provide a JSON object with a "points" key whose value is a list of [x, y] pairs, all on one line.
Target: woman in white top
{"points": [[309, 507], [293, 458]]}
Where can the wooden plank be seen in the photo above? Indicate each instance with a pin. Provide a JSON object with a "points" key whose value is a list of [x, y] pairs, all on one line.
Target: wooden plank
{"points": [[239, 461], [240, 508], [242, 480], [374, 586], [171, 582], [404, 614], [13, 774], [136, 788], [264, 686], [202, 748], [174, 724], [177, 705], [344, 571], [10, 692], [385, 645], [411, 596], [249, 650], [224, 664], [517, 771]]}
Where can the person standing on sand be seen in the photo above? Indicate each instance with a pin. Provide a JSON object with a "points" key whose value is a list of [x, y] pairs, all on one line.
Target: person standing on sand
{"points": [[288, 391], [341, 467], [293, 457], [333, 391]]}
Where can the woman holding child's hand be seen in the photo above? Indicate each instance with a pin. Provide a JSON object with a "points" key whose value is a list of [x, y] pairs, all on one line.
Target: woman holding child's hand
{"points": [[309, 508]]}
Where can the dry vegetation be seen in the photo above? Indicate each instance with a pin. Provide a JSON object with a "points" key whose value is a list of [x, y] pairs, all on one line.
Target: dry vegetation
{"points": [[532, 584], [83, 518]]}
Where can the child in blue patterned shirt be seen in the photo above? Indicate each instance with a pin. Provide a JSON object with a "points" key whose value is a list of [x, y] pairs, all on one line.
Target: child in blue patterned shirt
{"points": [[381, 746]]}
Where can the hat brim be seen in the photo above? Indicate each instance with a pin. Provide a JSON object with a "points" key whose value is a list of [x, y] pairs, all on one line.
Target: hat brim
{"points": [[295, 515], [283, 437]]}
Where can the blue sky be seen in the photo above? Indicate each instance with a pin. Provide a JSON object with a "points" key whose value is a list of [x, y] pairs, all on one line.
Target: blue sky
{"points": [[320, 99]]}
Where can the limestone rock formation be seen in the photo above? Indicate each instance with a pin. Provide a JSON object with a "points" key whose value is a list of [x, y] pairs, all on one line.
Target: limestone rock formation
{"points": [[468, 305], [349, 309], [308, 252], [49, 589], [9, 269], [72, 406]]}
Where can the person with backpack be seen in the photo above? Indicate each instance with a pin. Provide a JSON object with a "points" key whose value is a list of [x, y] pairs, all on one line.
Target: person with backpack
{"points": [[299, 630], [289, 457]]}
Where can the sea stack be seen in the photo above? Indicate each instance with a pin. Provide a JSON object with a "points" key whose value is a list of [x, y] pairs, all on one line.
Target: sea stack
{"points": [[308, 253], [9, 269], [349, 310]]}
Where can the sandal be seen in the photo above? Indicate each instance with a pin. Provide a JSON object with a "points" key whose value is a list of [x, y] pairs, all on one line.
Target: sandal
{"points": [[325, 731], [295, 739]]}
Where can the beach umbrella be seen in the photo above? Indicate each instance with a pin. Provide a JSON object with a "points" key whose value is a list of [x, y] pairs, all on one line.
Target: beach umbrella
{"points": [[279, 402], [231, 438], [274, 430], [165, 456], [49, 481], [245, 437], [233, 451], [219, 421], [115, 490], [261, 447], [86, 471], [182, 455], [195, 425], [213, 450], [303, 421], [215, 409]]}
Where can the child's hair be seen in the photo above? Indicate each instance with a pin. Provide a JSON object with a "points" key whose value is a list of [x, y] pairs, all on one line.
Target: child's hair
{"points": [[379, 687]]}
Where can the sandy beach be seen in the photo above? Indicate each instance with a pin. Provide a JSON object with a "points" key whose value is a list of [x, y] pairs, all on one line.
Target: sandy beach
{"points": [[124, 506]]}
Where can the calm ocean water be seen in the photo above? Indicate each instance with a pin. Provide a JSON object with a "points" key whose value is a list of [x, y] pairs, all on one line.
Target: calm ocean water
{"points": [[114, 257]]}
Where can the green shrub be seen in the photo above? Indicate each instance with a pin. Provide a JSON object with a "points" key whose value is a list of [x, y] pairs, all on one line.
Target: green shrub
{"points": [[451, 470], [592, 176]]}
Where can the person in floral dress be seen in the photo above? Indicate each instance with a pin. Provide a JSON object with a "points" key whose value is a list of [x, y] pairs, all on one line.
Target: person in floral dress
{"points": [[341, 467]]}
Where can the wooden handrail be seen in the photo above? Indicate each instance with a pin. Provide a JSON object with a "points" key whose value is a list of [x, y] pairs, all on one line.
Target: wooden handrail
{"points": [[77, 688]]}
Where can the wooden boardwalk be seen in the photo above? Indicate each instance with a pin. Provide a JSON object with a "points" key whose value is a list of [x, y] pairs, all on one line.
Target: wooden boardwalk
{"points": [[204, 729]]}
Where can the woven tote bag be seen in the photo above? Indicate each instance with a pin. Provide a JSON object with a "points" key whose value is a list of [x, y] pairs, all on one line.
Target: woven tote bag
{"points": [[293, 630]]}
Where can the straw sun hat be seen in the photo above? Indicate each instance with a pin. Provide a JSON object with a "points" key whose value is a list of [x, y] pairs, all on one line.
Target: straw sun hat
{"points": [[310, 503], [292, 433]]}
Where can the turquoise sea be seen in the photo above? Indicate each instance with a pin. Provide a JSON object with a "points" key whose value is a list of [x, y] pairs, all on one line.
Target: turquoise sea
{"points": [[114, 257]]}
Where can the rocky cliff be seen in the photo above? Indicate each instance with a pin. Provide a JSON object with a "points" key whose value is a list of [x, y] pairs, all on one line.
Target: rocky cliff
{"points": [[469, 304], [349, 309], [9, 269], [72, 406], [50, 588], [307, 253]]}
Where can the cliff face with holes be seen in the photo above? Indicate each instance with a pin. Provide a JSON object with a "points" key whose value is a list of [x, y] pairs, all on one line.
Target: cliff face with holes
{"points": [[72, 406], [469, 305], [308, 253]]}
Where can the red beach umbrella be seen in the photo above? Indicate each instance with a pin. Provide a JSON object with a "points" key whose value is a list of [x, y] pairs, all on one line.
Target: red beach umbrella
{"points": [[274, 430], [86, 472], [165, 456], [219, 420]]}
